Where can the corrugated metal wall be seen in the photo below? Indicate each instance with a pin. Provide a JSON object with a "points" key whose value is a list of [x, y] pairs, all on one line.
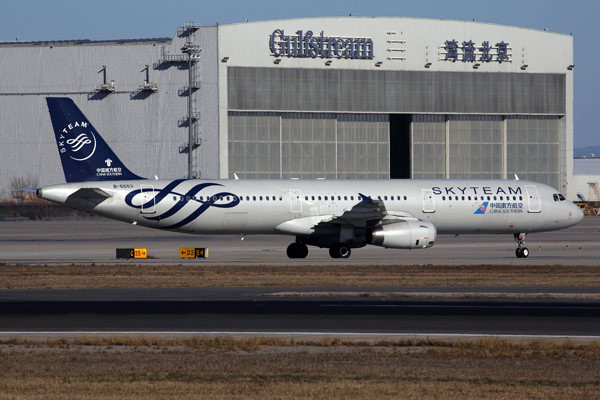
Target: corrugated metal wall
{"points": [[143, 129], [308, 145]]}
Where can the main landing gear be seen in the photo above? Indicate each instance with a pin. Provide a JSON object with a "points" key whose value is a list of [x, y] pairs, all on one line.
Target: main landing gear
{"points": [[340, 250], [522, 251], [297, 250]]}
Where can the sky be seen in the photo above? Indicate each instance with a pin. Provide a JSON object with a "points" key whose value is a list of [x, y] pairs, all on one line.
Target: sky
{"points": [[33, 20]]}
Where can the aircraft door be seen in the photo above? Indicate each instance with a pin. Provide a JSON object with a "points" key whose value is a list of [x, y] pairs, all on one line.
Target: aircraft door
{"points": [[534, 199], [428, 203], [148, 202], [296, 200]]}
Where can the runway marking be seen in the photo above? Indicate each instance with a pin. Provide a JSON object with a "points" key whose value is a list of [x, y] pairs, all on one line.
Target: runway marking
{"points": [[435, 295], [460, 306], [457, 335]]}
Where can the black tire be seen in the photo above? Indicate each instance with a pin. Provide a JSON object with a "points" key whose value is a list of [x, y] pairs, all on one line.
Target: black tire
{"points": [[332, 252], [524, 252], [297, 250], [340, 250], [301, 250], [291, 250], [518, 253]]}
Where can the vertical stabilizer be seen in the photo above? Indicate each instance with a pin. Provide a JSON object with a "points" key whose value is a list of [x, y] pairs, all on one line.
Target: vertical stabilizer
{"points": [[85, 156]]}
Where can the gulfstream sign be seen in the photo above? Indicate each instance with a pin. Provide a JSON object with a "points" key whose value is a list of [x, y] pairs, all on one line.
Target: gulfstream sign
{"points": [[309, 45]]}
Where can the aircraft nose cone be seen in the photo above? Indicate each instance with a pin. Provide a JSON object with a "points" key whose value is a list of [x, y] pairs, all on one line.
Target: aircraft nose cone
{"points": [[577, 214]]}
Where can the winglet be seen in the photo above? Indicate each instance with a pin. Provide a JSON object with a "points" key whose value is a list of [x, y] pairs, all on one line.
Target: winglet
{"points": [[365, 199]]}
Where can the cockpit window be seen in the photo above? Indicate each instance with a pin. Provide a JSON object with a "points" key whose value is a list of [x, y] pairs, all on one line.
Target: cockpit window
{"points": [[561, 197], [555, 196]]}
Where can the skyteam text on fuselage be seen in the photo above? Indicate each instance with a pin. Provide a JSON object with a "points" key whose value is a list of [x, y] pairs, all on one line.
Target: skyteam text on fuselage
{"points": [[335, 214]]}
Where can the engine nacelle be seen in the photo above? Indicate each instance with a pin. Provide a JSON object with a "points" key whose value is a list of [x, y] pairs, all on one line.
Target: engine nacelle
{"points": [[403, 235]]}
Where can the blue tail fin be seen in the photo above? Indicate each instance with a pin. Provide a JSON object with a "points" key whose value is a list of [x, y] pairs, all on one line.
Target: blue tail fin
{"points": [[85, 156]]}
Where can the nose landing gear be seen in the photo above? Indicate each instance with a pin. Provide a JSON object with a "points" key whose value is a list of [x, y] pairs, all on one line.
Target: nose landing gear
{"points": [[522, 251]]}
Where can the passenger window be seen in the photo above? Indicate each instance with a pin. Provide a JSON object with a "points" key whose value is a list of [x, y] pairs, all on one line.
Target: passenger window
{"points": [[325, 197], [306, 198], [339, 197], [469, 198], [319, 197], [404, 198], [352, 197], [514, 197], [267, 198], [254, 198], [488, 198], [378, 197], [463, 197], [494, 198], [392, 198], [456, 198], [385, 197], [227, 198], [260, 198], [312, 197], [443, 197], [500, 197], [345, 197], [280, 198], [174, 198], [248, 198], [521, 198], [221, 198]]}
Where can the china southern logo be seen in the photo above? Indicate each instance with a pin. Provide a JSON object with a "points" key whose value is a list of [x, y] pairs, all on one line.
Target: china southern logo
{"points": [[482, 208]]}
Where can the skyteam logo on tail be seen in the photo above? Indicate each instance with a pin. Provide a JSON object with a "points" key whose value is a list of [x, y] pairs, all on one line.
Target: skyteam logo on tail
{"points": [[79, 148], [482, 208]]}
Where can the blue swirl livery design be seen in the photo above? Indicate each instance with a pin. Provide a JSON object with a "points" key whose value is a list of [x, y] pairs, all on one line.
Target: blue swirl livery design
{"points": [[85, 156], [183, 199]]}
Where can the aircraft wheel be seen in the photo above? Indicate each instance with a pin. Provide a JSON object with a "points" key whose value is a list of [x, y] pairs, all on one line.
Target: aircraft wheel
{"points": [[301, 250], [297, 250], [524, 252], [340, 250], [518, 253], [332, 252]]}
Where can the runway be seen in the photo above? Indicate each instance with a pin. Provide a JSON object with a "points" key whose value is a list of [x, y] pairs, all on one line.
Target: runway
{"points": [[95, 240], [251, 310]]}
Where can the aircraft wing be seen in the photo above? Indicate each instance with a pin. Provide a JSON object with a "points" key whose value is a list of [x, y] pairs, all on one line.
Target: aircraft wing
{"points": [[366, 213]]}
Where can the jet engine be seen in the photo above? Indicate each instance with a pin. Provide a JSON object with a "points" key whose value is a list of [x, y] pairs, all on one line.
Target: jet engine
{"points": [[403, 235]]}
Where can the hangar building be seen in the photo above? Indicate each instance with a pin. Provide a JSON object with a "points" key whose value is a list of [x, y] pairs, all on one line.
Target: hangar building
{"points": [[332, 98]]}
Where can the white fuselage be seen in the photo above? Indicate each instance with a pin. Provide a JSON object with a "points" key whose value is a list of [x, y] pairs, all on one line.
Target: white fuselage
{"points": [[295, 206]]}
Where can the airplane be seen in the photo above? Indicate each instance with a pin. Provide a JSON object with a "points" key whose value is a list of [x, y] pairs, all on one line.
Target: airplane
{"points": [[336, 214]]}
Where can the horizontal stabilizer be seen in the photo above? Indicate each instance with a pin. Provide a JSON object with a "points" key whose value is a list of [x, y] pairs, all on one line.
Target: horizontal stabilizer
{"points": [[90, 193]]}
